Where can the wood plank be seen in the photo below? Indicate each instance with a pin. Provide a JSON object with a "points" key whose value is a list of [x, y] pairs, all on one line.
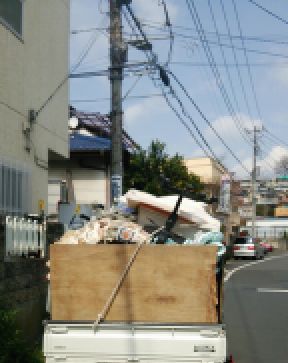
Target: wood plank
{"points": [[165, 284]]}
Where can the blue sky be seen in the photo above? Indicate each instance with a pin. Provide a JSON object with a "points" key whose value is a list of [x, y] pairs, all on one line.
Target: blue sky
{"points": [[146, 119]]}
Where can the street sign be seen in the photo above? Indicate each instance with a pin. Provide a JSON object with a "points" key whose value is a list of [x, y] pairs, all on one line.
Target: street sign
{"points": [[116, 187], [225, 194]]}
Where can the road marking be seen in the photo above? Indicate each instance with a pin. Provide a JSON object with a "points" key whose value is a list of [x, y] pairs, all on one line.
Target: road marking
{"points": [[262, 289], [232, 272]]}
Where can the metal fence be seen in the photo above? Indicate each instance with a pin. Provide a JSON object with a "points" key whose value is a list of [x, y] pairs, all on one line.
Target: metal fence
{"points": [[24, 237]]}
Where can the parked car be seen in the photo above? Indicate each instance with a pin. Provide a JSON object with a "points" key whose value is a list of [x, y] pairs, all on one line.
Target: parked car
{"points": [[267, 246], [247, 246]]}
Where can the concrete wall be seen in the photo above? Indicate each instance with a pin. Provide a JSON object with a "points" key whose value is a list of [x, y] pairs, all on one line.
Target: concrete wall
{"points": [[23, 288], [31, 67]]}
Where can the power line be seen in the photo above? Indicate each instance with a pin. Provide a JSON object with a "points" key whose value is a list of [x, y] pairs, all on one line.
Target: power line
{"points": [[153, 25], [236, 60], [153, 58], [238, 124], [132, 87], [87, 30], [86, 50], [275, 137], [269, 12], [247, 61], [132, 67], [184, 123], [165, 80], [169, 25], [211, 59], [205, 119], [222, 35], [152, 95], [202, 64]]}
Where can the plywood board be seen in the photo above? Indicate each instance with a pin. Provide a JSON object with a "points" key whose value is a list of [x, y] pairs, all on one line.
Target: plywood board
{"points": [[172, 284]]}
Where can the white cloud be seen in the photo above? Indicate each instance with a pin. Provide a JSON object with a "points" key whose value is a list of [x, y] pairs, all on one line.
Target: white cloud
{"points": [[227, 129], [133, 113], [280, 74], [275, 154], [226, 126], [266, 164], [148, 109]]}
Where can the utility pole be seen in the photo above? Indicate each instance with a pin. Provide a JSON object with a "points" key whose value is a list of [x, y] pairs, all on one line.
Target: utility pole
{"points": [[254, 178], [117, 57]]}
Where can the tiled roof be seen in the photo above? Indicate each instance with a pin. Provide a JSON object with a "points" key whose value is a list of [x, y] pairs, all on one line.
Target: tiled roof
{"points": [[80, 142], [101, 125]]}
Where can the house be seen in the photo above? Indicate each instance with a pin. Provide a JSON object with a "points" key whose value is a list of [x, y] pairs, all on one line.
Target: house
{"points": [[34, 41], [85, 177]]}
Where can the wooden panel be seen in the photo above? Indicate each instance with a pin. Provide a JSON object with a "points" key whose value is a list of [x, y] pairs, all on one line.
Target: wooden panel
{"points": [[165, 284]]}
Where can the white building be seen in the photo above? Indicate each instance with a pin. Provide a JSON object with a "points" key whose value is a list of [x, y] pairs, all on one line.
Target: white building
{"points": [[270, 228], [34, 37]]}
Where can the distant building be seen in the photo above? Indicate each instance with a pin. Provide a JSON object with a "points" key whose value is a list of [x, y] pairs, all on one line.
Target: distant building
{"points": [[269, 228], [213, 174], [34, 42], [271, 198]]}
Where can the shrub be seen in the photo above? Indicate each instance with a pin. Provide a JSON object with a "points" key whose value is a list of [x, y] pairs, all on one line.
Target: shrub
{"points": [[13, 346]]}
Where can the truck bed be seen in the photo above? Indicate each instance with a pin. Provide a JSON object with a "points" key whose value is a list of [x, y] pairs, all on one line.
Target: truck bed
{"points": [[78, 342]]}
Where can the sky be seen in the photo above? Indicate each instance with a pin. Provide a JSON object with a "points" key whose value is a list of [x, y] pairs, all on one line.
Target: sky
{"points": [[232, 96]]}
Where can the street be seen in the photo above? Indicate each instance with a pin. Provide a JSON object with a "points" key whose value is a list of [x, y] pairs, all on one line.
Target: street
{"points": [[256, 309]]}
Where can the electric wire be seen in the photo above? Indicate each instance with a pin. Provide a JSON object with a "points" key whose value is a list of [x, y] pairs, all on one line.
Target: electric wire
{"points": [[247, 61], [184, 123], [202, 64], [269, 12], [87, 30], [153, 58], [236, 121], [275, 137], [211, 60], [132, 87], [138, 24], [155, 25], [169, 25], [151, 95], [175, 34], [205, 119], [86, 50], [236, 60]]}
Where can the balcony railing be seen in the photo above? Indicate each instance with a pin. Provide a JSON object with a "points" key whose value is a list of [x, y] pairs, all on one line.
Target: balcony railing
{"points": [[24, 237]]}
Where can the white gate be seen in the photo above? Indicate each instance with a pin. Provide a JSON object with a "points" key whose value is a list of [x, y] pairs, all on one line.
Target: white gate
{"points": [[24, 237]]}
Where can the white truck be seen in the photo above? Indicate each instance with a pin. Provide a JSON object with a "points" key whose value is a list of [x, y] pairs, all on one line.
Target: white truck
{"points": [[152, 313], [79, 342]]}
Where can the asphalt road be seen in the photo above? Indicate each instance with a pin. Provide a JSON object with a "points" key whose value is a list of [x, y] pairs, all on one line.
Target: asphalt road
{"points": [[256, 310]]}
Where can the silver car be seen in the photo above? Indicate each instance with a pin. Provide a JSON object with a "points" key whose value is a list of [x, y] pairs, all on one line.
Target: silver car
{"points": [[247, 246]]}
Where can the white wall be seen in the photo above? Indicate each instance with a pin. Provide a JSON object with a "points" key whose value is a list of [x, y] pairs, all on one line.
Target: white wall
{"points": [[30, 70]]}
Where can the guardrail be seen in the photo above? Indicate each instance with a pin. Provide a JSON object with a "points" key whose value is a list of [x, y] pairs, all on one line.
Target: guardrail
{"points": [[24, 237]]}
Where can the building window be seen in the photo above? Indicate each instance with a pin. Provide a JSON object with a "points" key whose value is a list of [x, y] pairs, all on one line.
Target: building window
{"points": [[14, 189], [11, 15]]}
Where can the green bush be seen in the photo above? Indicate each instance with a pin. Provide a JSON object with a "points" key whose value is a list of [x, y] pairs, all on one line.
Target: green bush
{"points": [[13, 346]]}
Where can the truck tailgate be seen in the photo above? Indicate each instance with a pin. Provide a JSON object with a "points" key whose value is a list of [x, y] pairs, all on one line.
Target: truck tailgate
{"points": [[78, 342]]}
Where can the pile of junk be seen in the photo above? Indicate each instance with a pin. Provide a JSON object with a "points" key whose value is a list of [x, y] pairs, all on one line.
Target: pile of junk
{"points": [[144, 218]]}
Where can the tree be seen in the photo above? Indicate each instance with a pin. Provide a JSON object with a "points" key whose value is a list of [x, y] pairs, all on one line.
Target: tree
{"points": [[147, 166], [281, 167]]}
